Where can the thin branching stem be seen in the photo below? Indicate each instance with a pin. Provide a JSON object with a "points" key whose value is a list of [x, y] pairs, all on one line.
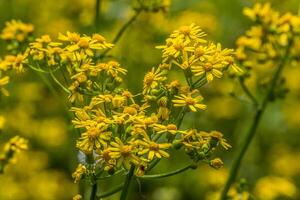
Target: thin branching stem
{"points": [[122, 30], [59, 83], [164, 175], [256, 120], [247, 91]]}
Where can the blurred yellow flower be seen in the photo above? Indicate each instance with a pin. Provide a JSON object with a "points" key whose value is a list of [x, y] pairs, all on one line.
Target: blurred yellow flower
{"points": [[272, 187]]}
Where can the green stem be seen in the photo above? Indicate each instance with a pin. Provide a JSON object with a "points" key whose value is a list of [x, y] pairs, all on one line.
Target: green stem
{"points": [[59, 83], [178, 171], [122, 31], [200, 81], [111, 192], [247, 92], [49, 85], [127, 183], [2, 165], [181, 116], [257, 117], [97, 12], [93, 192]]}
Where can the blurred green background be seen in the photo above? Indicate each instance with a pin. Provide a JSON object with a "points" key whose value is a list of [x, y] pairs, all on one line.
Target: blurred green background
{"points": [[271, 166]]}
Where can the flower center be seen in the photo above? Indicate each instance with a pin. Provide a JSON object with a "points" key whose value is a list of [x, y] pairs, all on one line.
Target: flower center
{"points": [[199, 52], [172, 127], [93, 133], [154, 146], [125, 151], [208, 67], [149, 78], [83, 43], [178, 46], [185, 30], [190, 101]]}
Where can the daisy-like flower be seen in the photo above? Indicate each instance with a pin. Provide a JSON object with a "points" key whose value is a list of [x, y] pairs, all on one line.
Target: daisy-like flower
{"points": [[218, 137], [211, 68], [123, 153], [104, 159], [192, 139], [191, 102], [152, 79], [16, 144], [69, 37], [16, 62], [153, 149], [111, 68], [259, 10], [43, 42], [170, 128], [191, 32], [175, 47], [85, 43], [16, 30], [93, 138]]}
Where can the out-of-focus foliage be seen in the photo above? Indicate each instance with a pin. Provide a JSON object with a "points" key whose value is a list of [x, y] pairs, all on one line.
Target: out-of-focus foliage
{"points": [[32, 111]]}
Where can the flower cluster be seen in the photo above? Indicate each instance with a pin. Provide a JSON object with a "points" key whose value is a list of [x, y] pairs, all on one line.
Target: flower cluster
{"points": [[16, 31], [264, 44], [76, 56], [119, 131], [152, 5], [187, 49], [17, 34]]}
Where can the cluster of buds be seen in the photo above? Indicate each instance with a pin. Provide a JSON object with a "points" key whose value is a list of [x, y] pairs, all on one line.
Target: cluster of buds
{"points": [[151, 5]]}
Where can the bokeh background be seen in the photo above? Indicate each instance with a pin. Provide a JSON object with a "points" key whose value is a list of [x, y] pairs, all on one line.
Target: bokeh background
{"points": [[271, 167]]}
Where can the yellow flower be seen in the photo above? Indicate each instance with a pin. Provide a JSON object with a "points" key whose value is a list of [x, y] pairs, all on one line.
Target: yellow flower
{"points": [[153, 149], [16, 144], [152, 79], [17, 62], [93, 138], [123, 153], [191, 102], [77, 197], [111, 68], [79, 172], [191, 32], [216, 135], [211, 68], [272, 187], [259, 10], [104, 158], [192, 139], [170, 128], [16, 30], [84, 44], [175, 47]]}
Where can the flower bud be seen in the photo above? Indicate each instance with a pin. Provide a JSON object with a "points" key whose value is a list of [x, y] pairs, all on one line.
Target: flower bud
{"points": [[216, 163], [177, 144]]}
